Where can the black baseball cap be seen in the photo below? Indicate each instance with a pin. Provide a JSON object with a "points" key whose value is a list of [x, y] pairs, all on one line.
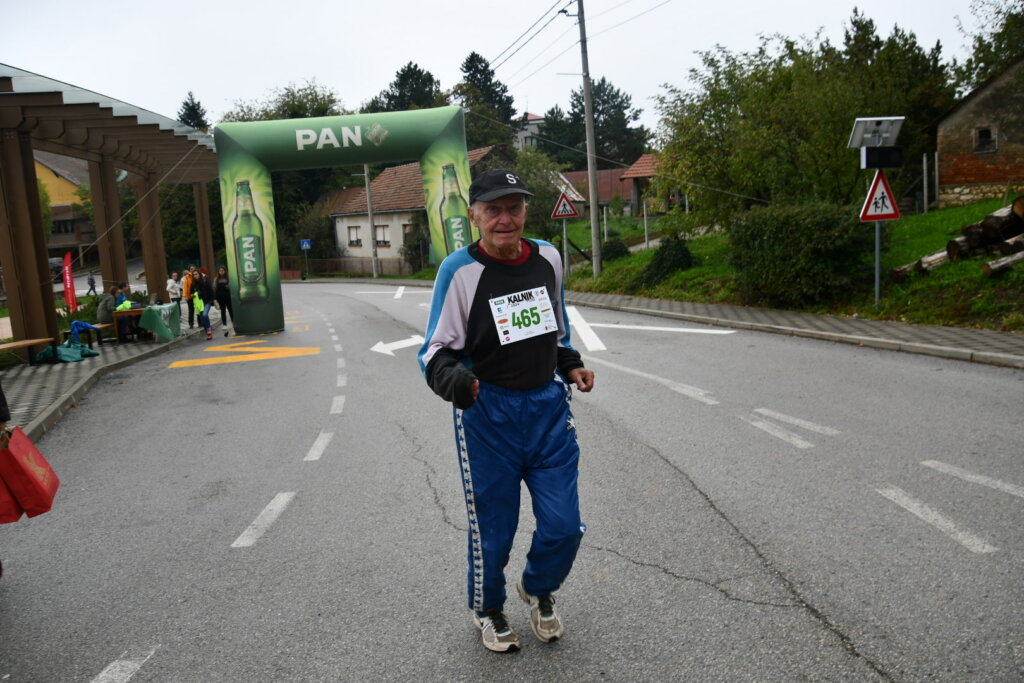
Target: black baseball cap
{"points": [[495, 183]]}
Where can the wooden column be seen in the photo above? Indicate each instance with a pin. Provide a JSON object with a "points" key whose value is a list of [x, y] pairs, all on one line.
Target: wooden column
{"points": [[22, 245], [154, 257], [202, 201], [104, 216]]}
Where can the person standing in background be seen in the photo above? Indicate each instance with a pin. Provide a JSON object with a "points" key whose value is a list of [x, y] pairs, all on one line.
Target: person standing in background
{"points": [[92, 283], [202, 288], [222, 290], [186, 292], [174, 290]]}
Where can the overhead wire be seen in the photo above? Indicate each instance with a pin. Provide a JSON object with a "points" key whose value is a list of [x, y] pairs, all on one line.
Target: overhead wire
{"points": [[553, 17], [498, 56]]}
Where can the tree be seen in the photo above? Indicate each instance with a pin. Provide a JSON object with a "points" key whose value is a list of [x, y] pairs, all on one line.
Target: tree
{"points": [[994, 49], [491, 111], [45, 210], [413, 88], [541, 175], [772, 125], [617, 142], [192, 113]]}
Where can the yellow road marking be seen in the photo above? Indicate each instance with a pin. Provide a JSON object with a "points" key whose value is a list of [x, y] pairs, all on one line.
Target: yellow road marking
{"points": [[248, 351]]}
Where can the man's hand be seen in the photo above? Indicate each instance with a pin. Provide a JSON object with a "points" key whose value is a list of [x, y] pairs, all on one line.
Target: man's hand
{"points": [[582, 378]]}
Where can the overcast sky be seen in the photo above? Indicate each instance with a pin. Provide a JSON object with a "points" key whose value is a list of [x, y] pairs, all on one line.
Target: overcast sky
{"points": [[150, 54]]}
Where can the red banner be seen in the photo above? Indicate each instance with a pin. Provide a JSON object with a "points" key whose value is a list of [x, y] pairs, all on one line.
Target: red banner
{"points": [[70, 298]]}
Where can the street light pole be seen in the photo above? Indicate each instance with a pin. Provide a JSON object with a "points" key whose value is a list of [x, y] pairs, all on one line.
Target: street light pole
{"points": [[588, 111], [373, 228]]}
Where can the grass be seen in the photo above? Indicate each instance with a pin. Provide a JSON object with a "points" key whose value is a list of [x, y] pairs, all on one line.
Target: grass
{"points": [[956, 293]]}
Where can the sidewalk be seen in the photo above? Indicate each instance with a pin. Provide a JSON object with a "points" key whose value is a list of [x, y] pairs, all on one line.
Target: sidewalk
{"points": [[39, 395]]}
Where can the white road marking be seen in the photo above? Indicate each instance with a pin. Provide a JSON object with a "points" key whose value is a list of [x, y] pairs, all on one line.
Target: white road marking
{"points": [[270, 513], [334, 337], [810, 426], [330, 330], [399, 292], [1003, 486], [693, 330], [342, 379], [337, 348], [684, 389], [778, 432], [965, 538], [587, 336], [319, 446], [337, 405], [124, 668], [389, 348], [341, 363]]}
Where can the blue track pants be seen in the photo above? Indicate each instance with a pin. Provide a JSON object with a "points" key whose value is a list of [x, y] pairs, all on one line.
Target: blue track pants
{"points": [[505, 438]]}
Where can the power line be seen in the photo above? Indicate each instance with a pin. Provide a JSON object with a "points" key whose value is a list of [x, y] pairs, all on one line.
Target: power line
{"points": [[498, 56], [553, 17]]}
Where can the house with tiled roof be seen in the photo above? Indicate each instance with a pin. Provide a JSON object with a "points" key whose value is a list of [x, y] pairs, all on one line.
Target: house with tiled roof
{"points": [[529, 129], [62, 176], [609, 185], [638, 177], [398, 205]]}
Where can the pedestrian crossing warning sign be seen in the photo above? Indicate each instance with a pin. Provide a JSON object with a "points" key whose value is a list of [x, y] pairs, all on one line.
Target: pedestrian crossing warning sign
{"points": [[880, 204], [564, 208]]}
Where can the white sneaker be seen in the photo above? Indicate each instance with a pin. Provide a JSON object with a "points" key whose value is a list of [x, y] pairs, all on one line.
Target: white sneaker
{"points": [[547, 626], [495, 631]]}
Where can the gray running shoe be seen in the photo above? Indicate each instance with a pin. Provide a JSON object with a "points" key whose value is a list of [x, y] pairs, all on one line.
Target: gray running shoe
{"points": [[547, 626], [495, 631]]}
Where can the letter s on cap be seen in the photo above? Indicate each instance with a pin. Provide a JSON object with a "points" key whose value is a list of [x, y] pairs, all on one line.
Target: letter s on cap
{"points": [[511, 178]]}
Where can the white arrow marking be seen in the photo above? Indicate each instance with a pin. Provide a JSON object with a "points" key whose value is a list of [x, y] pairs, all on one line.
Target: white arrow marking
{"points": [[124, 668], [381, 347], [587, 336], [975, 478]]}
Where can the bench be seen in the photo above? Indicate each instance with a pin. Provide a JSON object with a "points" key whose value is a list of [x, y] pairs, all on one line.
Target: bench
{"points": [[30, 344], [87, 334]]}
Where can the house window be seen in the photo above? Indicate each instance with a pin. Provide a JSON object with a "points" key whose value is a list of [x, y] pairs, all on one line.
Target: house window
{"points": [[382, 236], [63, 227], [353, 236], [985, 139]]}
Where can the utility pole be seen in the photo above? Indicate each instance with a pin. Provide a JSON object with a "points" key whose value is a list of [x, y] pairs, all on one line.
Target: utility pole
{"points": [[373, 228], [588, 111]]}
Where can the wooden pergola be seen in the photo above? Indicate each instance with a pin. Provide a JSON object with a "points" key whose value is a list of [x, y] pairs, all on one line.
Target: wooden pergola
{"points": [[41, 113]]}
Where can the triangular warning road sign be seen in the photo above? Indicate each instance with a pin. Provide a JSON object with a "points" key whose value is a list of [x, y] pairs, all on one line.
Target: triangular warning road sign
{"points": [[564, 208], [881, 203]]}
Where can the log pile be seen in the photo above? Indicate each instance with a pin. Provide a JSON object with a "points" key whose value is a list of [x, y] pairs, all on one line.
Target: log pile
{"points": [[1001, 233]]}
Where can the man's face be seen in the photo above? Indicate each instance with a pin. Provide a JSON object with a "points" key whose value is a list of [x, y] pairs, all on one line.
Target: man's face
{"points": [[500, 222]]}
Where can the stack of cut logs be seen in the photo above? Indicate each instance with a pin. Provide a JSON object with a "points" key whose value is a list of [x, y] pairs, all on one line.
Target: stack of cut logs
{"points": [[999, 233]]}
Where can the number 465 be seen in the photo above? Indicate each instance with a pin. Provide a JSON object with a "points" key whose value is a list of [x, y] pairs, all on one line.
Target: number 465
{"points": [[528, 318]]}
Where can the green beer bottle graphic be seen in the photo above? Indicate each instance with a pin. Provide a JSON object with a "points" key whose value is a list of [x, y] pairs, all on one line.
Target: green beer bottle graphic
{"points": [[247, 232], [454, 214]]}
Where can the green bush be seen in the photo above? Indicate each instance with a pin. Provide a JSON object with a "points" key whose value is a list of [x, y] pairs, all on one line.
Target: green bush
{"points": [[673, 255], [613, 249], [796, 256]]}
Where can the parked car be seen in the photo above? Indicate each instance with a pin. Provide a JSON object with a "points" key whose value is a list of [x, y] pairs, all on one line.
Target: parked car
{"points": [[57, 269]]}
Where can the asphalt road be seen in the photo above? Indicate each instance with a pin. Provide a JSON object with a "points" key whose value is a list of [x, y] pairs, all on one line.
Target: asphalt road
{"points": [[759, 508]]}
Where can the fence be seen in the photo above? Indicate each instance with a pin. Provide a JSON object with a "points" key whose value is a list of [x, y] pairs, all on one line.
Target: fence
{"points": [[292, 266]]}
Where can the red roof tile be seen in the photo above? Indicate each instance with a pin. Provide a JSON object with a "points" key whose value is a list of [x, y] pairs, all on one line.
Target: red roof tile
{"points": [[608, 184], [644, 167]]}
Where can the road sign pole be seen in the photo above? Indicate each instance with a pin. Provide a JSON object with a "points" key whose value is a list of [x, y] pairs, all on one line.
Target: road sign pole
{"points": [[305, 252], [878, 261], [565, 248]]}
